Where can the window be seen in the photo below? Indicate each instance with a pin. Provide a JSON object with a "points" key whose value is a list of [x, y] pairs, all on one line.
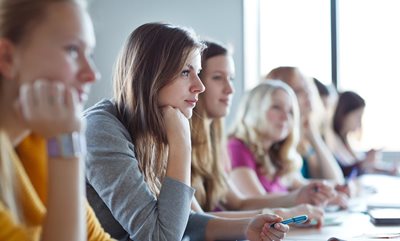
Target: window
{"points": [[297, 33], [369, 60]]}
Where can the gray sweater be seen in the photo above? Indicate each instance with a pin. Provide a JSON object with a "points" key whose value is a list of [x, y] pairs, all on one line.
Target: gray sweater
{"points": [[118, 193]]}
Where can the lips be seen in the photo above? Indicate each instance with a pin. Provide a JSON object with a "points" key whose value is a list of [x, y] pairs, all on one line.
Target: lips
{"points": [[225, 101], [192, 102]]}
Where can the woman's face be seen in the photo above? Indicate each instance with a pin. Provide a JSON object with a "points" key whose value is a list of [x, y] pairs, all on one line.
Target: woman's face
{"points": [[183, 91], [302, 90], [279, 116], [217, 76], [353, 120], [59, 48]]}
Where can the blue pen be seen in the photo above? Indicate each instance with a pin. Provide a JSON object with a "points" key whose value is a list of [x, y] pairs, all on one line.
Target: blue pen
{"points": [[297, 220]]}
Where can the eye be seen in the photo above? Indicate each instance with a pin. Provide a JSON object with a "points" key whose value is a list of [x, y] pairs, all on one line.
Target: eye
{"points": [[276, 107], [217, 77], [185, 73], [232, 78], [72, 51]]}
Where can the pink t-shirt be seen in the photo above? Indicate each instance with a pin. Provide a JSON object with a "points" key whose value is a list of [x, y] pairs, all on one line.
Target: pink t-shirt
{"points": [[241, 156]]}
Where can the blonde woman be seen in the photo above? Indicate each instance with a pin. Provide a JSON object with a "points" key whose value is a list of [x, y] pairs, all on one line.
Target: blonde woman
{"points": [[46, 69], [263, 140], [318, 161]]}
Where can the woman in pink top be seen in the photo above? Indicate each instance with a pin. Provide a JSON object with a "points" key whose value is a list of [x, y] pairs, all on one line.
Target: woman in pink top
{"points": [[263, 140]]}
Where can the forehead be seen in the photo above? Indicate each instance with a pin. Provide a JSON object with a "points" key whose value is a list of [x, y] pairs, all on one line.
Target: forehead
{"points": [[194, 59], [280, 96], [63, 21], [220, 63]]}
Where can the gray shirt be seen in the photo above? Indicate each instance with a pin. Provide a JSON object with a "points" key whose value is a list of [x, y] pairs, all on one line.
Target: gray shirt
{"points": [[118, 193]]}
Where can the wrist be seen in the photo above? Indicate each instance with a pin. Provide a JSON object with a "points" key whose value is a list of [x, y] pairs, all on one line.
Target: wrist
{"points": [[67, 145]]}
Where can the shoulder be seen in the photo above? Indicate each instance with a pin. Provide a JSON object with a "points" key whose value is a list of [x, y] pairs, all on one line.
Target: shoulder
{"points": [[236, 143], [101, 120], [104, 110]]}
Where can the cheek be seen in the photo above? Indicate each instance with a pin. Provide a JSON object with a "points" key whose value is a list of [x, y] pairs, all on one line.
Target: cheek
{"points": [[271, 116]]}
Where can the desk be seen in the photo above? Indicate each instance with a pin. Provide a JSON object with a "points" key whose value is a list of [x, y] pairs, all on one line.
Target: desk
{"points": [[356, 224]]}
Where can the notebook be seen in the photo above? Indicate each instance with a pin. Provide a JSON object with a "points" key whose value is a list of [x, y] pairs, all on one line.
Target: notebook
{"points": [[385, 216]]}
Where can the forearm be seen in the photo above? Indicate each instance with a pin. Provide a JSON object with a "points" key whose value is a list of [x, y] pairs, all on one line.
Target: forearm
{"points": [[65, 219], [236, 214], [269, 201], [179, 163], [217, 229], [328, 166]]}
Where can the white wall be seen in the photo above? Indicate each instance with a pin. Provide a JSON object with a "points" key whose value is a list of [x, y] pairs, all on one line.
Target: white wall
{"points": [[221, 20]]}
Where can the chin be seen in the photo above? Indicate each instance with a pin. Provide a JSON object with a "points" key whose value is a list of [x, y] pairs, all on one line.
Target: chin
{"points": [[188, 114]]}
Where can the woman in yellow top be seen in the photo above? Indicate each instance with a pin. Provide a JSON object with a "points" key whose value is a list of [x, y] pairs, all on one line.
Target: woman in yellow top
{"points": [[45, 66]]}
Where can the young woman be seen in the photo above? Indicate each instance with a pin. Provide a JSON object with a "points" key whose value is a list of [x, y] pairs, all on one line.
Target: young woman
{"points": [[263, 141], [138, 167], [210, 161], [45, 65], [318, 161], [347, 118]]}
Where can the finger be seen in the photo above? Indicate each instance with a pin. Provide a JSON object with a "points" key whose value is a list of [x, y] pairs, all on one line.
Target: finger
{"points": [[58, 91], [27, 101], [40, 96], [271, 218]]}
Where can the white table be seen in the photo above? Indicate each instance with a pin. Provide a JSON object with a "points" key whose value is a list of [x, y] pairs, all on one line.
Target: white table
{"points": [[355, 224]]}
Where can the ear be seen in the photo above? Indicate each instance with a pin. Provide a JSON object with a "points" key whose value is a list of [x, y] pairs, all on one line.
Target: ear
{"points": [[7, 51]]}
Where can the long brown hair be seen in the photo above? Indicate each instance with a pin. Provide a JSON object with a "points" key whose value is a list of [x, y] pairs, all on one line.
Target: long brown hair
{"points": [[250, 119], [208, 176], [18, 18], [348, 102], [152, 57]]}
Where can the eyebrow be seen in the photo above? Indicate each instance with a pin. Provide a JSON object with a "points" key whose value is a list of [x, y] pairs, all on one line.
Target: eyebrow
{"points": [[191, 67]]}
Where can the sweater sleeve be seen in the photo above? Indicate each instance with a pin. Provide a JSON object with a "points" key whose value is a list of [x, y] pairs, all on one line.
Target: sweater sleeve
{"points": [[113, 172]]}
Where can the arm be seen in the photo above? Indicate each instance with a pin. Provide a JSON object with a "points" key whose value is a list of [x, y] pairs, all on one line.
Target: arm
{"points": [[179, 144], [37, 104], [113, 172], [324, 164], [246, 180]]}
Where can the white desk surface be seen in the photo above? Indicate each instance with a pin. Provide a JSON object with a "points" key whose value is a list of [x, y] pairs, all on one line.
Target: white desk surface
{"points": [[356, 225]]}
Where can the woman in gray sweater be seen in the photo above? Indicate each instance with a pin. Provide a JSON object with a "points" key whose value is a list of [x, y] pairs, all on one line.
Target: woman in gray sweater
{"points": [[139, 147]]}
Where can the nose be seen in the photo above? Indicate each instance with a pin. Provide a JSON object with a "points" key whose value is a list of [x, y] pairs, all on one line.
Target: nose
{"points": [[229, 89], [197, 85], [89, 72]]}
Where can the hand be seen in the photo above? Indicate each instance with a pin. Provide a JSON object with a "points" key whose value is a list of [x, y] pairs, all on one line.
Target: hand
{"points": [[177, 126], [316, 193], [313, 213], [372, 156], [49, 108], [259, 228], [348, 188], [341, 199]]}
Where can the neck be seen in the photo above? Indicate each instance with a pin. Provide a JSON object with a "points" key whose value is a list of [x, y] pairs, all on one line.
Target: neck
{"points": [[267, 144], [12, 124]]}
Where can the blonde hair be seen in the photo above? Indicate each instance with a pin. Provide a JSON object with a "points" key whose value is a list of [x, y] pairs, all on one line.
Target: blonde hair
{"points": [[8, 185], [208, 145], [208, 176], [249, 122]]}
